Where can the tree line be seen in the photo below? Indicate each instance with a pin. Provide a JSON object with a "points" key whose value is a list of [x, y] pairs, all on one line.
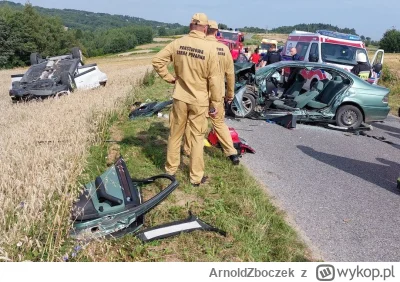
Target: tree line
{"points": [[84, 20], [25, 31], [313, 27]]}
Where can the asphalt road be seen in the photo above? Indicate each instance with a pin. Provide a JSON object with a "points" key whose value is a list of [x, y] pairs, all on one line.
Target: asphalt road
{"points": [[338, 189]]}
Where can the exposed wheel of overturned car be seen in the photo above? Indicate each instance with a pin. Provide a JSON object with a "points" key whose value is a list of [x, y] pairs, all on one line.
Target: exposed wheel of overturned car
{"points": [[248, 102], [34, 58], [76, 53], [67, 79], [349, 116]]}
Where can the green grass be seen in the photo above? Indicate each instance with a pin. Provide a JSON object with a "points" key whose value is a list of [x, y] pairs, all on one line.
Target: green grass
{"points": [[391, 80], [232, 201]]}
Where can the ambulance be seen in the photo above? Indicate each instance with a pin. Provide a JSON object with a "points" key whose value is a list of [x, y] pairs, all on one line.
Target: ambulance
{"points": [[339, 49]]}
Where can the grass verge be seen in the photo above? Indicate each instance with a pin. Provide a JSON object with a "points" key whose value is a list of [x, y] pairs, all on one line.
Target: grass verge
{"points": [[232, 201], [391, 80]]}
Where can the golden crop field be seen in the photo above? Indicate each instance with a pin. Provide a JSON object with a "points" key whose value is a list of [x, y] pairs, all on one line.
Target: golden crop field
{"points": [[393, 62], [43, 150], [276, 36]]}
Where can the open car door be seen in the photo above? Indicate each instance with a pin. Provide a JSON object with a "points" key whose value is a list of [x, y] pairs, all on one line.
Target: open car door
{"points": [[377, 65]]}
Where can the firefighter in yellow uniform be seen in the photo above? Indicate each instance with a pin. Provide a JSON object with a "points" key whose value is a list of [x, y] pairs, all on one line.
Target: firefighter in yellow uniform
{"points": [[197, 88], [226, 71]]}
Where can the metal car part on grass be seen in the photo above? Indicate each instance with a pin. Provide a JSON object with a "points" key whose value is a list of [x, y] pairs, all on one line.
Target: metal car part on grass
{"points": [[112, 205], [192, 223], [149, 109]]}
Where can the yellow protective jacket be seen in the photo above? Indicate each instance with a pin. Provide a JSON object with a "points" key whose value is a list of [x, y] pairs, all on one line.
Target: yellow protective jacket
{"points": [[196, 66], [227, 69]]}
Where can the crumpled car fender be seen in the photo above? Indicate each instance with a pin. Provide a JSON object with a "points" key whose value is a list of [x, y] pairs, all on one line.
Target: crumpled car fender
{"points": [[237, 100]]}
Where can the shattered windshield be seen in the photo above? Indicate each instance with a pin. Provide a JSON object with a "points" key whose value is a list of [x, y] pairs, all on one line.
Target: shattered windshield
{"points": [[340, 54], [262, 73], [229, 35]]}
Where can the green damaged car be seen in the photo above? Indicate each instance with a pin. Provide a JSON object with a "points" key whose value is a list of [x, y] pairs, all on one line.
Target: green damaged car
{"points": [[312, 92]]}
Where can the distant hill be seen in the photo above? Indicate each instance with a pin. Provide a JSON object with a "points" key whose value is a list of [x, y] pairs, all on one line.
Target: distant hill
{"points": [[83, 20]]}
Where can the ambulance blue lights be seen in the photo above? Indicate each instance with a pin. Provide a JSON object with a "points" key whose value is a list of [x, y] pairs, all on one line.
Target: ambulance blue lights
{"points": [[339, 35]]}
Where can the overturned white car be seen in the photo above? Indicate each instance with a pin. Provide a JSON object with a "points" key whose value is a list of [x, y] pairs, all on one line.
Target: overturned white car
{"points": [[55, 76]]}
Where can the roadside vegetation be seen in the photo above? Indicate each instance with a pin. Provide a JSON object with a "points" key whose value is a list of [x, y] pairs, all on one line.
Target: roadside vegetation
{"points": [[391, 79], [232, 201], [51, 148], [44, 146]]}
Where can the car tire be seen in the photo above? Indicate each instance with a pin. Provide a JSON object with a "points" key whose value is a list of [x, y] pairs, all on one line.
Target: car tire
{"points": [[34, 58], [77, 53], [249, 103], [349, 116], [68, 80]]}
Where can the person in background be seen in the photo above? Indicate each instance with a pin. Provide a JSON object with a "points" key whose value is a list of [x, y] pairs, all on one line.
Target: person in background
{"points": [[362, 69], [273, 56], [293, 53], [255, 57]]}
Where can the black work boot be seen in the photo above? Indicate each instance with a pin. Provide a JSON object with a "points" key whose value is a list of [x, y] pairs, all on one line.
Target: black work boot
{"points": [[204, 179], [234, 159]]}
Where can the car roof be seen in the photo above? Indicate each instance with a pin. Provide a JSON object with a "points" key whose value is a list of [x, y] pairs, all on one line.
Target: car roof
{"points": [[349, 74], [308, 64]]}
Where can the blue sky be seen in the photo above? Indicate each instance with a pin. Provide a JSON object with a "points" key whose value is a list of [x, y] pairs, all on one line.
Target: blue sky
{"points": [[369, 17]]}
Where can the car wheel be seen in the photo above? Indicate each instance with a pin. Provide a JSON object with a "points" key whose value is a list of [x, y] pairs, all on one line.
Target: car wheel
{"points": [[349, 116], [77, 53], [34, 58], [249, 104], [67, 79]]}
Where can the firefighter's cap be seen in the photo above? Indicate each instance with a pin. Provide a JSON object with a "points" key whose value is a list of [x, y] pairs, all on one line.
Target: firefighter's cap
{"points": [[200, 19], [213, 24]]}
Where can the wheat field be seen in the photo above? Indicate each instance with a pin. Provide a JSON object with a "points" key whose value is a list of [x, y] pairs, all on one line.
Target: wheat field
{"points": [[43, 150]]}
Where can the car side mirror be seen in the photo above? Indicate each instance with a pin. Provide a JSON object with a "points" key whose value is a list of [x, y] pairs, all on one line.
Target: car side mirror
{"points": [[241, 39], [377, 68]]}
